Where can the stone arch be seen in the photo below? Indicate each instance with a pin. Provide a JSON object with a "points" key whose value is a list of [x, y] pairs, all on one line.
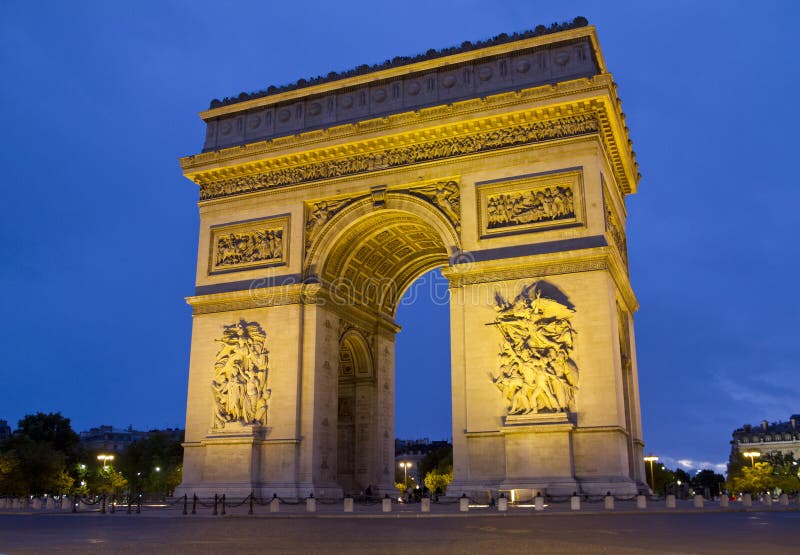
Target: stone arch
{"points": [[369, 256]]}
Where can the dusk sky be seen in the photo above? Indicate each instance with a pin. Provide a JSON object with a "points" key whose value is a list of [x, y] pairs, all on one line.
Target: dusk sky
{"points": [[98, 235]]}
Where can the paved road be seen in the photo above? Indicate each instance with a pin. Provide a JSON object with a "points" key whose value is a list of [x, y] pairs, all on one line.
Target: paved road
{"points": [[682, 533]]}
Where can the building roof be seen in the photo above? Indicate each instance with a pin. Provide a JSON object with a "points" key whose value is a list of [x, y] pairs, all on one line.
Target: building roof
{"points": [[400, 61]]}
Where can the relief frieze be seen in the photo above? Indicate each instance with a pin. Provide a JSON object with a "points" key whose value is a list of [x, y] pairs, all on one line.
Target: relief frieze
{"points": [[405, 155], [248, 245], [530, 203]]}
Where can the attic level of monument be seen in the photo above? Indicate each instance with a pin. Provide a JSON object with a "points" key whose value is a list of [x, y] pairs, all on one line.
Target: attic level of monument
{"points": [[401, 61], [510, 66]]}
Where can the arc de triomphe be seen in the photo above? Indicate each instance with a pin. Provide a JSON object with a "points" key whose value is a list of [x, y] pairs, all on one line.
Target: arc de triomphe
{"points": [[505, 163]]}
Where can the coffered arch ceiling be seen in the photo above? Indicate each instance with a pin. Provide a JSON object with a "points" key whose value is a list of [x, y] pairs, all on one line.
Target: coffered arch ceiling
{"points": [[374, 260]]}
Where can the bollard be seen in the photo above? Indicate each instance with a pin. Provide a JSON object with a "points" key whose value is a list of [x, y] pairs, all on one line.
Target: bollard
{"points": [[698, 501], [575, 502], [75, 504], [425, 505], [386, 505], [275, 504], [348, 504], [139, 504], [185, 504], [50, 504], [747, 500], [36, 504], [538, 503], [104, 504], [766, 499], [723, 501], [671, 501], [311, 504], [463, 503], [194, 503], [784, 500], [641, 502], [223, 504], [502, 503], [608, 501], [250, 510], [215, 513], [113, 503]]}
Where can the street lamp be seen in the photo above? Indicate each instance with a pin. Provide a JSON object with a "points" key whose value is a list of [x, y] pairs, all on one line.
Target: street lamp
{"points": [[405, 466], [752, 455], [105, 459], [651, 459]]}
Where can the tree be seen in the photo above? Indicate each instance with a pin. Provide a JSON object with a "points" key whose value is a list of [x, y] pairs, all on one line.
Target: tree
{"points": [[153, 464], [440, 459], [757, 478], [38, 456], [708, 480], [437, 481]]}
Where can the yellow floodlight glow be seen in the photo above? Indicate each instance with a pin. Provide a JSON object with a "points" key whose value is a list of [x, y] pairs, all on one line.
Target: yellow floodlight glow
{"points": [[752, 455]]}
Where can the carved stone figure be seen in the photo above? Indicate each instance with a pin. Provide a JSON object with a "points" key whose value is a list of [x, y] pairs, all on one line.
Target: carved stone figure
{"points": [[247, 247], [319, 214], [548, 204], [240, 376], [446, 197], [537, 373]]}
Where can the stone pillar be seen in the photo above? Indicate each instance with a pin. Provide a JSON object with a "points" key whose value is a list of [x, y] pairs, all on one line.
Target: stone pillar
{"points": [[747, 500], [724, 501], [575, 503], [641, 502], [766, 499], [386, 505], [425, 505], [784, 500], [698, 501], [348, 504], [538, 503], [608, 502], [671, 504], [311, 505], [275, 505]]}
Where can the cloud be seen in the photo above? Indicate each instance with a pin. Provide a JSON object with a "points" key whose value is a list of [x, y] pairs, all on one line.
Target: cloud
{"points": [[691, 465]]}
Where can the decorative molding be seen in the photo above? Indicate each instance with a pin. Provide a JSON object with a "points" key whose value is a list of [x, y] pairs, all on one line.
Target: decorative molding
{"points": [[247, 245], [537, 372], [240, 378], [515, 135], [530, 203]]}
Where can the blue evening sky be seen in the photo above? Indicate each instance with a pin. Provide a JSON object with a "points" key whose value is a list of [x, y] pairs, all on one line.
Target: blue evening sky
{"points": [[98, 231]]}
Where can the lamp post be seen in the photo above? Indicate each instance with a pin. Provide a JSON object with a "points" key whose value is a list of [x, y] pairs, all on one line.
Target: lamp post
{"points": [[105, 459], [752, 455], [651, 459], [405, 466]]}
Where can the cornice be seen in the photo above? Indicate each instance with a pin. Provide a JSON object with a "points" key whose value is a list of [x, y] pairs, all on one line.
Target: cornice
{"points": [[585, 260], [247, 157], [596, 114]]}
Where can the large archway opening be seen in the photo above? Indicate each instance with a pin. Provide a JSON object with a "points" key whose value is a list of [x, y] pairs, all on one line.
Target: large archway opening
{"points": [[368, 265]]}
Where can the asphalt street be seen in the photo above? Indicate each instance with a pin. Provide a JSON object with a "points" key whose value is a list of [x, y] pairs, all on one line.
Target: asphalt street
{"points": [[729, 533]]}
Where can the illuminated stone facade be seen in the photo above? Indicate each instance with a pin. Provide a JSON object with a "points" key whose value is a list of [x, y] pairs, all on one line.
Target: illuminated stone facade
{"points": [[506, 165]]}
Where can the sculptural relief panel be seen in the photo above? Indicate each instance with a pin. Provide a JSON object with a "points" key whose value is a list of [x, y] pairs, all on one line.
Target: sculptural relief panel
{"points": [[239, 386], [537, 373], [247, 245], [530, 203]]}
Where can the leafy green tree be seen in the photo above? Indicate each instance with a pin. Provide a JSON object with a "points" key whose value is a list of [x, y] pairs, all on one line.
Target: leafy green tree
{"points": [[153, 465], [438, 481], [38, 457], [662, 477], [106, 480], [439, 459], [757, 478], [708, 480]]}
